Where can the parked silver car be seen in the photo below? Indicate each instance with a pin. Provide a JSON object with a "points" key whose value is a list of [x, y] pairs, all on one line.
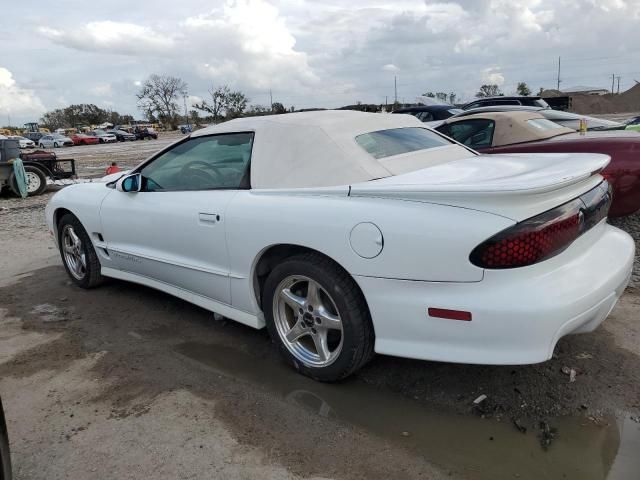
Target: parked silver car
{"points": [[24, 142], [103, 136], [54, 140]]}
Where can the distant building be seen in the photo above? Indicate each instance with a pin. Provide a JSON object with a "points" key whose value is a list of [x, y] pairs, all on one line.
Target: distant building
{"points": [[582, 90]]}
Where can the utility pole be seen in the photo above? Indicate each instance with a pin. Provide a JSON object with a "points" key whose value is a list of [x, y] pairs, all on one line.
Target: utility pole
{"points": [[618, 77], [186, 113], [271, 100], [559, 73], [395, 88], [613, 81]]}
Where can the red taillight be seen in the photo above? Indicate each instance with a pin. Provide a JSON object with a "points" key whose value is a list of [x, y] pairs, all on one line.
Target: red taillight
{"points": [[544, 235]]}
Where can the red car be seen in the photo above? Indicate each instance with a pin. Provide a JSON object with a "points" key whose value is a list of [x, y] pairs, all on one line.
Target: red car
{"points": [[84, 139], [528, 132]]}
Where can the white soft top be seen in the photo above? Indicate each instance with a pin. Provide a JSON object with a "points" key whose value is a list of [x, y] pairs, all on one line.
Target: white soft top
{"points": [[318, 149]]}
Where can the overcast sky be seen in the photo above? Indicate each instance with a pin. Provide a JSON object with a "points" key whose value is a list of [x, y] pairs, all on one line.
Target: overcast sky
{"points": [[324, 53]]}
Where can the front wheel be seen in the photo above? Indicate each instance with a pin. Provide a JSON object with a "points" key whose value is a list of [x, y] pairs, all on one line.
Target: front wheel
{"points": [[77, 252], [318, 316]]}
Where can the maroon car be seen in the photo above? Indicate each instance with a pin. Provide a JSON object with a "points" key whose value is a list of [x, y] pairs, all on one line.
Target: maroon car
{"points": [[527, 132]]}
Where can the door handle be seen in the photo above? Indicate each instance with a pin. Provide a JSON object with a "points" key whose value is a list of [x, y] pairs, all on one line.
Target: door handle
{"points": [[209, 218]]}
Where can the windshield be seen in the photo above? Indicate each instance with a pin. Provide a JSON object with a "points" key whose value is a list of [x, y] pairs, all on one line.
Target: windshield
{"points": [[387, 143]]}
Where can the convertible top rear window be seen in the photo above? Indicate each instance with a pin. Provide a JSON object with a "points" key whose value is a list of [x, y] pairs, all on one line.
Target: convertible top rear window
{"points": [[543, 124], [395, 141]]}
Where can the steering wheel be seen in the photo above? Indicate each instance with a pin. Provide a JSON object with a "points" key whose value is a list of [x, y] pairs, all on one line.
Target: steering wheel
{"points": [[201, 177]]}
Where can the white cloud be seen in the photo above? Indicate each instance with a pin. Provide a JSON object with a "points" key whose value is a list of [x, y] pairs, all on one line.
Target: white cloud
{"points": [[193, 100], [15, 100], [493, 76], [244, 42], [109, 36], [321, 52], [102, 90]]}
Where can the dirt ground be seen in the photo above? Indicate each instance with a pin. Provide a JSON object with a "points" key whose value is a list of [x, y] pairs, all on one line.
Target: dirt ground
{"points": [[126, 382]]}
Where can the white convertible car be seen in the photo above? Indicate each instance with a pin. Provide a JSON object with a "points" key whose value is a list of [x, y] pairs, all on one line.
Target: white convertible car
{"points": [[348, 233]]}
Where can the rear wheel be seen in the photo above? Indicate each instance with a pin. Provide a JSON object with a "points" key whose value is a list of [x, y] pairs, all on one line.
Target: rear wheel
{"points": [[36, 181], [78, 255], [318, 316]]}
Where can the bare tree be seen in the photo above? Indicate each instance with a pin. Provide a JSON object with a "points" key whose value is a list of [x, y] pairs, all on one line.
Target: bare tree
{"points": [[218, 103], [489, 91], [159, 96]]}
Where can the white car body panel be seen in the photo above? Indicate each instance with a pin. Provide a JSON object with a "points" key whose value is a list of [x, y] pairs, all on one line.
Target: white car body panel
{"points": [[204, 246]]}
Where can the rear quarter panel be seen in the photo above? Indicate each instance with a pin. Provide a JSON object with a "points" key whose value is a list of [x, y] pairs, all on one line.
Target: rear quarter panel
{"points": [[422, 241]]}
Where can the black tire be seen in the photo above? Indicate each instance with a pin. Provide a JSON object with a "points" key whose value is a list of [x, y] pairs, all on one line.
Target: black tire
{"points": [[5, 454], [357, 329], [41, 178], [92, 277]]}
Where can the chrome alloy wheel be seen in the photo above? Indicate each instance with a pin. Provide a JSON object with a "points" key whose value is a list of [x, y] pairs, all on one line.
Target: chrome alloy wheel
{"points": [[34, 182], [73, 252], [308, 321]]}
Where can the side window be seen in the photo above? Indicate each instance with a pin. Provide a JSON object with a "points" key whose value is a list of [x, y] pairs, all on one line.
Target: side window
{"points": [[444, 129], [201, 163], [477, 133], [425, 116]]}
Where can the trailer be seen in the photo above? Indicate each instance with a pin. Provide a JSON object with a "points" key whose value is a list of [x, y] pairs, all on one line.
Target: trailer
{"points": [[39, 166]]}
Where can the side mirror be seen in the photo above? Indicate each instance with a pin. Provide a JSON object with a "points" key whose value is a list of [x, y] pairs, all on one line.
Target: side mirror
{"points": [[130, 183]]}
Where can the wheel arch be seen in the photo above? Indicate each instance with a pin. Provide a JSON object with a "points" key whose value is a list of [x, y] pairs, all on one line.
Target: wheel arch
{"points": [[272, 255], [58, 213]]}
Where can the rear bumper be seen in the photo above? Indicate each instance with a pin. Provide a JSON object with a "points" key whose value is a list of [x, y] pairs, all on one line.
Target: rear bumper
{"points": [[518, 315]]}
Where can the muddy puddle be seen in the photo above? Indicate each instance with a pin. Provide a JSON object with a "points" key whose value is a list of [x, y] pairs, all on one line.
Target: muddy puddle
{"points": [[467, 445]]}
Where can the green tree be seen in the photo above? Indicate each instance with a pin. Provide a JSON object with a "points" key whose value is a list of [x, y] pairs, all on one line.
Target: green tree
{"points": [[236, 104], [489, 91], [218, 103], [80, 115], [225, 102], [523, 89], [278, 108]]}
